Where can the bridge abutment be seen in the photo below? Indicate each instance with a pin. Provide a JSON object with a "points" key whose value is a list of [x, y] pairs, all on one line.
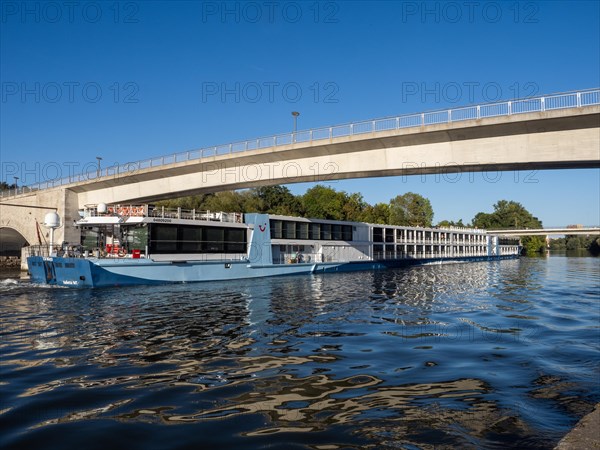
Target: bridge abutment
{"points": [[22, 218]]}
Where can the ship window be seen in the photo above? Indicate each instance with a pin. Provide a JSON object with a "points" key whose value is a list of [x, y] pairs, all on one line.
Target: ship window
{"points": [[289, 230], [58, 264], [302, 230], [276, 232], [347, 233], [214, 239], [137, 237], [336, 234], [377, 234], [89, 238], [70, 265], [377, 251], [389, 235], [235, 240], [191, 239], [164, 238], [314, 231], [325, 231]]}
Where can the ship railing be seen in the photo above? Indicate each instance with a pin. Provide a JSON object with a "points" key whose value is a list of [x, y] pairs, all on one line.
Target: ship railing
{"points": [[37, 250], [299, 258], [116, 210], [201, 257], [193, 214], [566, 100], [386, 256], [164, 212]]}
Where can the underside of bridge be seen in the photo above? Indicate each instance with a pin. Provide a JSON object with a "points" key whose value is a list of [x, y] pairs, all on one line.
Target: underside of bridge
{"points": [[11, 242]]}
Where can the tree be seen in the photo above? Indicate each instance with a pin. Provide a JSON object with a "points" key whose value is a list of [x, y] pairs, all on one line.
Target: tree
{"points": [[507, 215], [451, 223], [533, 244], [354, 207], [275, 200], [483, 220], [321, 202], [379, 213], [4, 186], [512, 215], [558, 244], [189, 202], [574, 242], [411, 209], [227, 201]]}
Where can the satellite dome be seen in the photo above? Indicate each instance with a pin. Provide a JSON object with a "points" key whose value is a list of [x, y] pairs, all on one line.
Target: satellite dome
{"points": [[52, 220]]}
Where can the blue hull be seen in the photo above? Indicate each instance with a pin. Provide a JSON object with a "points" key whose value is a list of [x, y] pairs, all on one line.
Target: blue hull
{"points": [[92, 273]]}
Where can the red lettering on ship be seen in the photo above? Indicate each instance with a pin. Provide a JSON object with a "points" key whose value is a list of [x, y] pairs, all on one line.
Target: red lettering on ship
{"points": [[262, 228]]}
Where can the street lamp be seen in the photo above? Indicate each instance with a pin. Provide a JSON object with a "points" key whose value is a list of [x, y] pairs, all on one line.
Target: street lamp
{"points": [[99, 169], [16, 185], [295, 114]]}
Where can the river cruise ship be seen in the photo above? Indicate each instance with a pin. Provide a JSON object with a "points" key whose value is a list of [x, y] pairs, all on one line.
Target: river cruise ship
{"points": [[130, 245]]}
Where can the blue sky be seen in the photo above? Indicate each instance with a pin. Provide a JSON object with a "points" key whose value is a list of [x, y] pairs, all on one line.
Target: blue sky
{"points": [[130, 80]]}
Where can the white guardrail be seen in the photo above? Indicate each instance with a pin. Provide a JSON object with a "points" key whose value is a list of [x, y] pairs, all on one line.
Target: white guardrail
{"points": [[567, 100]]}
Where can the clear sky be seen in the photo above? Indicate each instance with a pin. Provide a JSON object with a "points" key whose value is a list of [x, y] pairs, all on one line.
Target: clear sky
{"points": [[130, 80]]}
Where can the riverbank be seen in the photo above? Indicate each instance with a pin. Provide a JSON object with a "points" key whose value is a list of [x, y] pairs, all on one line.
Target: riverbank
{"points": [[10, 262], [586, 433]]}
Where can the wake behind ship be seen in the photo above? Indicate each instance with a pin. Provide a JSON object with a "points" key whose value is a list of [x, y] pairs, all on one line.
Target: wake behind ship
{"points": [[132, 245]]}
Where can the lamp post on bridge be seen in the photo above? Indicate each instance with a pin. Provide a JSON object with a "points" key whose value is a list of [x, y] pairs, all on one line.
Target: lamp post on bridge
{"points": [[16, 185], [99, 158], [295, 114]]}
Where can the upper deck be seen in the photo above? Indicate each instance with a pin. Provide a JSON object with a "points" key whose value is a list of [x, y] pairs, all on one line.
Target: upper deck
{"points": [[132, 214]]}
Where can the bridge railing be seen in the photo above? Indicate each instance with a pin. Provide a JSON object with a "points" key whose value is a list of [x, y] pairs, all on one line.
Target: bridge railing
{"points": [[567, 100]]}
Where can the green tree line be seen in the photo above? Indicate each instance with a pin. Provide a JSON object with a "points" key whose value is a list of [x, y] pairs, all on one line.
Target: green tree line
{"points": [[4, 186], [577, 242], [319, 202]]}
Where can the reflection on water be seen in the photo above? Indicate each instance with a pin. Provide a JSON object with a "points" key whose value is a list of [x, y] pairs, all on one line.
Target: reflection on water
{"points": [[481, 355]]}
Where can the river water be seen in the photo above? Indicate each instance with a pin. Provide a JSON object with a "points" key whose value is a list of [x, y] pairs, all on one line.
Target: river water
{"points": [[479, 355]]}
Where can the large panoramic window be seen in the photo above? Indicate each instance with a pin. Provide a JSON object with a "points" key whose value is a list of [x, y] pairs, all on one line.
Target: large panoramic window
{"points": [[287, 229], [235, 240], [191, 239], [171, 238], [164, 239]]}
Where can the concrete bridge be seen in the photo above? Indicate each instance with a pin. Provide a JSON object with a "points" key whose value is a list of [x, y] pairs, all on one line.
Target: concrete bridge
{"points": [[586, 231], [550, 132]]}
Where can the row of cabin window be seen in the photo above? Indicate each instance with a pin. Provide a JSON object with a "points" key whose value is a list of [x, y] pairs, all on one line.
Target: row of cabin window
{"points": [[287, 229], [387, 235], [508, 241], [193, 239]]}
